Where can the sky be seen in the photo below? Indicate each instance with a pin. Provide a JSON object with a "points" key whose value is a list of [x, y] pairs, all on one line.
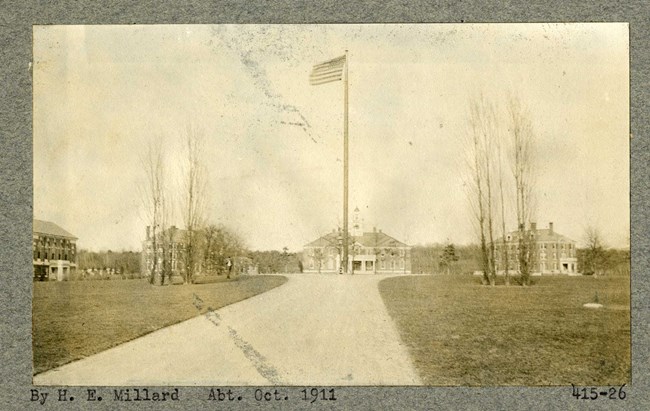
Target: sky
{"points": [[274, 144]]}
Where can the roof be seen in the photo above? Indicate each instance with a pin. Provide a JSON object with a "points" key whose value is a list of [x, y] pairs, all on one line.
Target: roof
{"points": [[543, 234], [373, 239], [49, 228]]}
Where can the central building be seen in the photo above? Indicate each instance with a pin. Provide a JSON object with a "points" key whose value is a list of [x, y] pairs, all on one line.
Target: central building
{"points": [[368, 252]]}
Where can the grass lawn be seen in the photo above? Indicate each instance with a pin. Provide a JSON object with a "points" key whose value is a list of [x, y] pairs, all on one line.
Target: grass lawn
{"points": [[462, 333], [74, 319]]}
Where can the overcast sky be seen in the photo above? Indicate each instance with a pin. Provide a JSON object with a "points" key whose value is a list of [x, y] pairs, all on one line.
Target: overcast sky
{"points": [[274, 143]]}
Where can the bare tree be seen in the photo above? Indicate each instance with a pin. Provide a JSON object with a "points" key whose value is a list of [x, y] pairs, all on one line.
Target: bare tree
{"points": [[211, 252], [194, 198], [522, 162], [490, 135], [218, 243], [376, 251], [167, 234], [504, 244], [483, 130], [152, 195], [594, 256], [318, 258], [230, 243]]}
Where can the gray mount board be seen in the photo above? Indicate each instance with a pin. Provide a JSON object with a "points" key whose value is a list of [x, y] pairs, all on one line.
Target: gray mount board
{"points": [[16, 170]]}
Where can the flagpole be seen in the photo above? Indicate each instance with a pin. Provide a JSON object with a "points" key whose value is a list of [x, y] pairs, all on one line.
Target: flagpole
{"points": [[345, 166]]}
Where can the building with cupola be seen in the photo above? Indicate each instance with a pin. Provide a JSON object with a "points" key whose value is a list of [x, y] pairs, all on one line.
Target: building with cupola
{"points": [[369, 252]]}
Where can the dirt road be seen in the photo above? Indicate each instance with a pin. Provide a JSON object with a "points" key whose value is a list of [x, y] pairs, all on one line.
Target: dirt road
{"points": [[313, 330]]}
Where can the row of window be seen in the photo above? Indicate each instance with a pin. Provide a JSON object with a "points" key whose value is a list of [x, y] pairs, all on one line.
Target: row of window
{"points": [[53, 256], [175, 246], [358, 251], [541, 246], [544, 267], [392, 265], [543, 255], [52, 241], [53, 247]]}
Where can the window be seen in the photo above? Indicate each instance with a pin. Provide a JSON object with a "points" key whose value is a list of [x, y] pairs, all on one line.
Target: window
{"points": [[382, 264], [401, 264]]}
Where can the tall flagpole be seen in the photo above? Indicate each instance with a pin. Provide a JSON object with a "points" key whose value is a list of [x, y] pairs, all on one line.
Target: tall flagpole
{"points": [[345, 167]]}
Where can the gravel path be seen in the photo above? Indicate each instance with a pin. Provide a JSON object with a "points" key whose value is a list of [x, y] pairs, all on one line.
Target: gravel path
{"points": [[313, 330]]}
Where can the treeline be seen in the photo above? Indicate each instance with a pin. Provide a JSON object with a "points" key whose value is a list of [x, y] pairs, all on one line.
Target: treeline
{"points": [[466, 259], [269, 262], [124, 262], [445, 258], [608, 261]]}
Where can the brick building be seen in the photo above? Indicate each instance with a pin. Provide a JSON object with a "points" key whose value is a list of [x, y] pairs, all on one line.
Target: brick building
{"points": [[554, 253], [175, 247], [369, 252], [54, 251]]}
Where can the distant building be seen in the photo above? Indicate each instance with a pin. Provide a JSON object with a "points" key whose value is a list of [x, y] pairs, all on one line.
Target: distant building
{"points": [[54, 251], [554, 253], [369, 252], [176, 251]]}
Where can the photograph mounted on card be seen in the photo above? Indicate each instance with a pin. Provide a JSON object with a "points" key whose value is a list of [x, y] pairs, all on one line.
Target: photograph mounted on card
{"points": [[331, 205]]}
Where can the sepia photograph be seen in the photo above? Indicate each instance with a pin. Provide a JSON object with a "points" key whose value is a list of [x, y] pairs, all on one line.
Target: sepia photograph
{"points": [[331, 205]]}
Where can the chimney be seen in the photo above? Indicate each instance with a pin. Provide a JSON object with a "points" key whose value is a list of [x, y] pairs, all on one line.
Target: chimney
{"points": [[148, 232], [533, 226], [374, 229], [550, 227]]}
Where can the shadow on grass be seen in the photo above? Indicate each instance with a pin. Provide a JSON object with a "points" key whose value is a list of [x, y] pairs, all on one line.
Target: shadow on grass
{"points": [[75, 319]]}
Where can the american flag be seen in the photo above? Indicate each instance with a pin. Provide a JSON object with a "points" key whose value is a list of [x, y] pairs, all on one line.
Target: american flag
{"points": [[328, 71]]}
